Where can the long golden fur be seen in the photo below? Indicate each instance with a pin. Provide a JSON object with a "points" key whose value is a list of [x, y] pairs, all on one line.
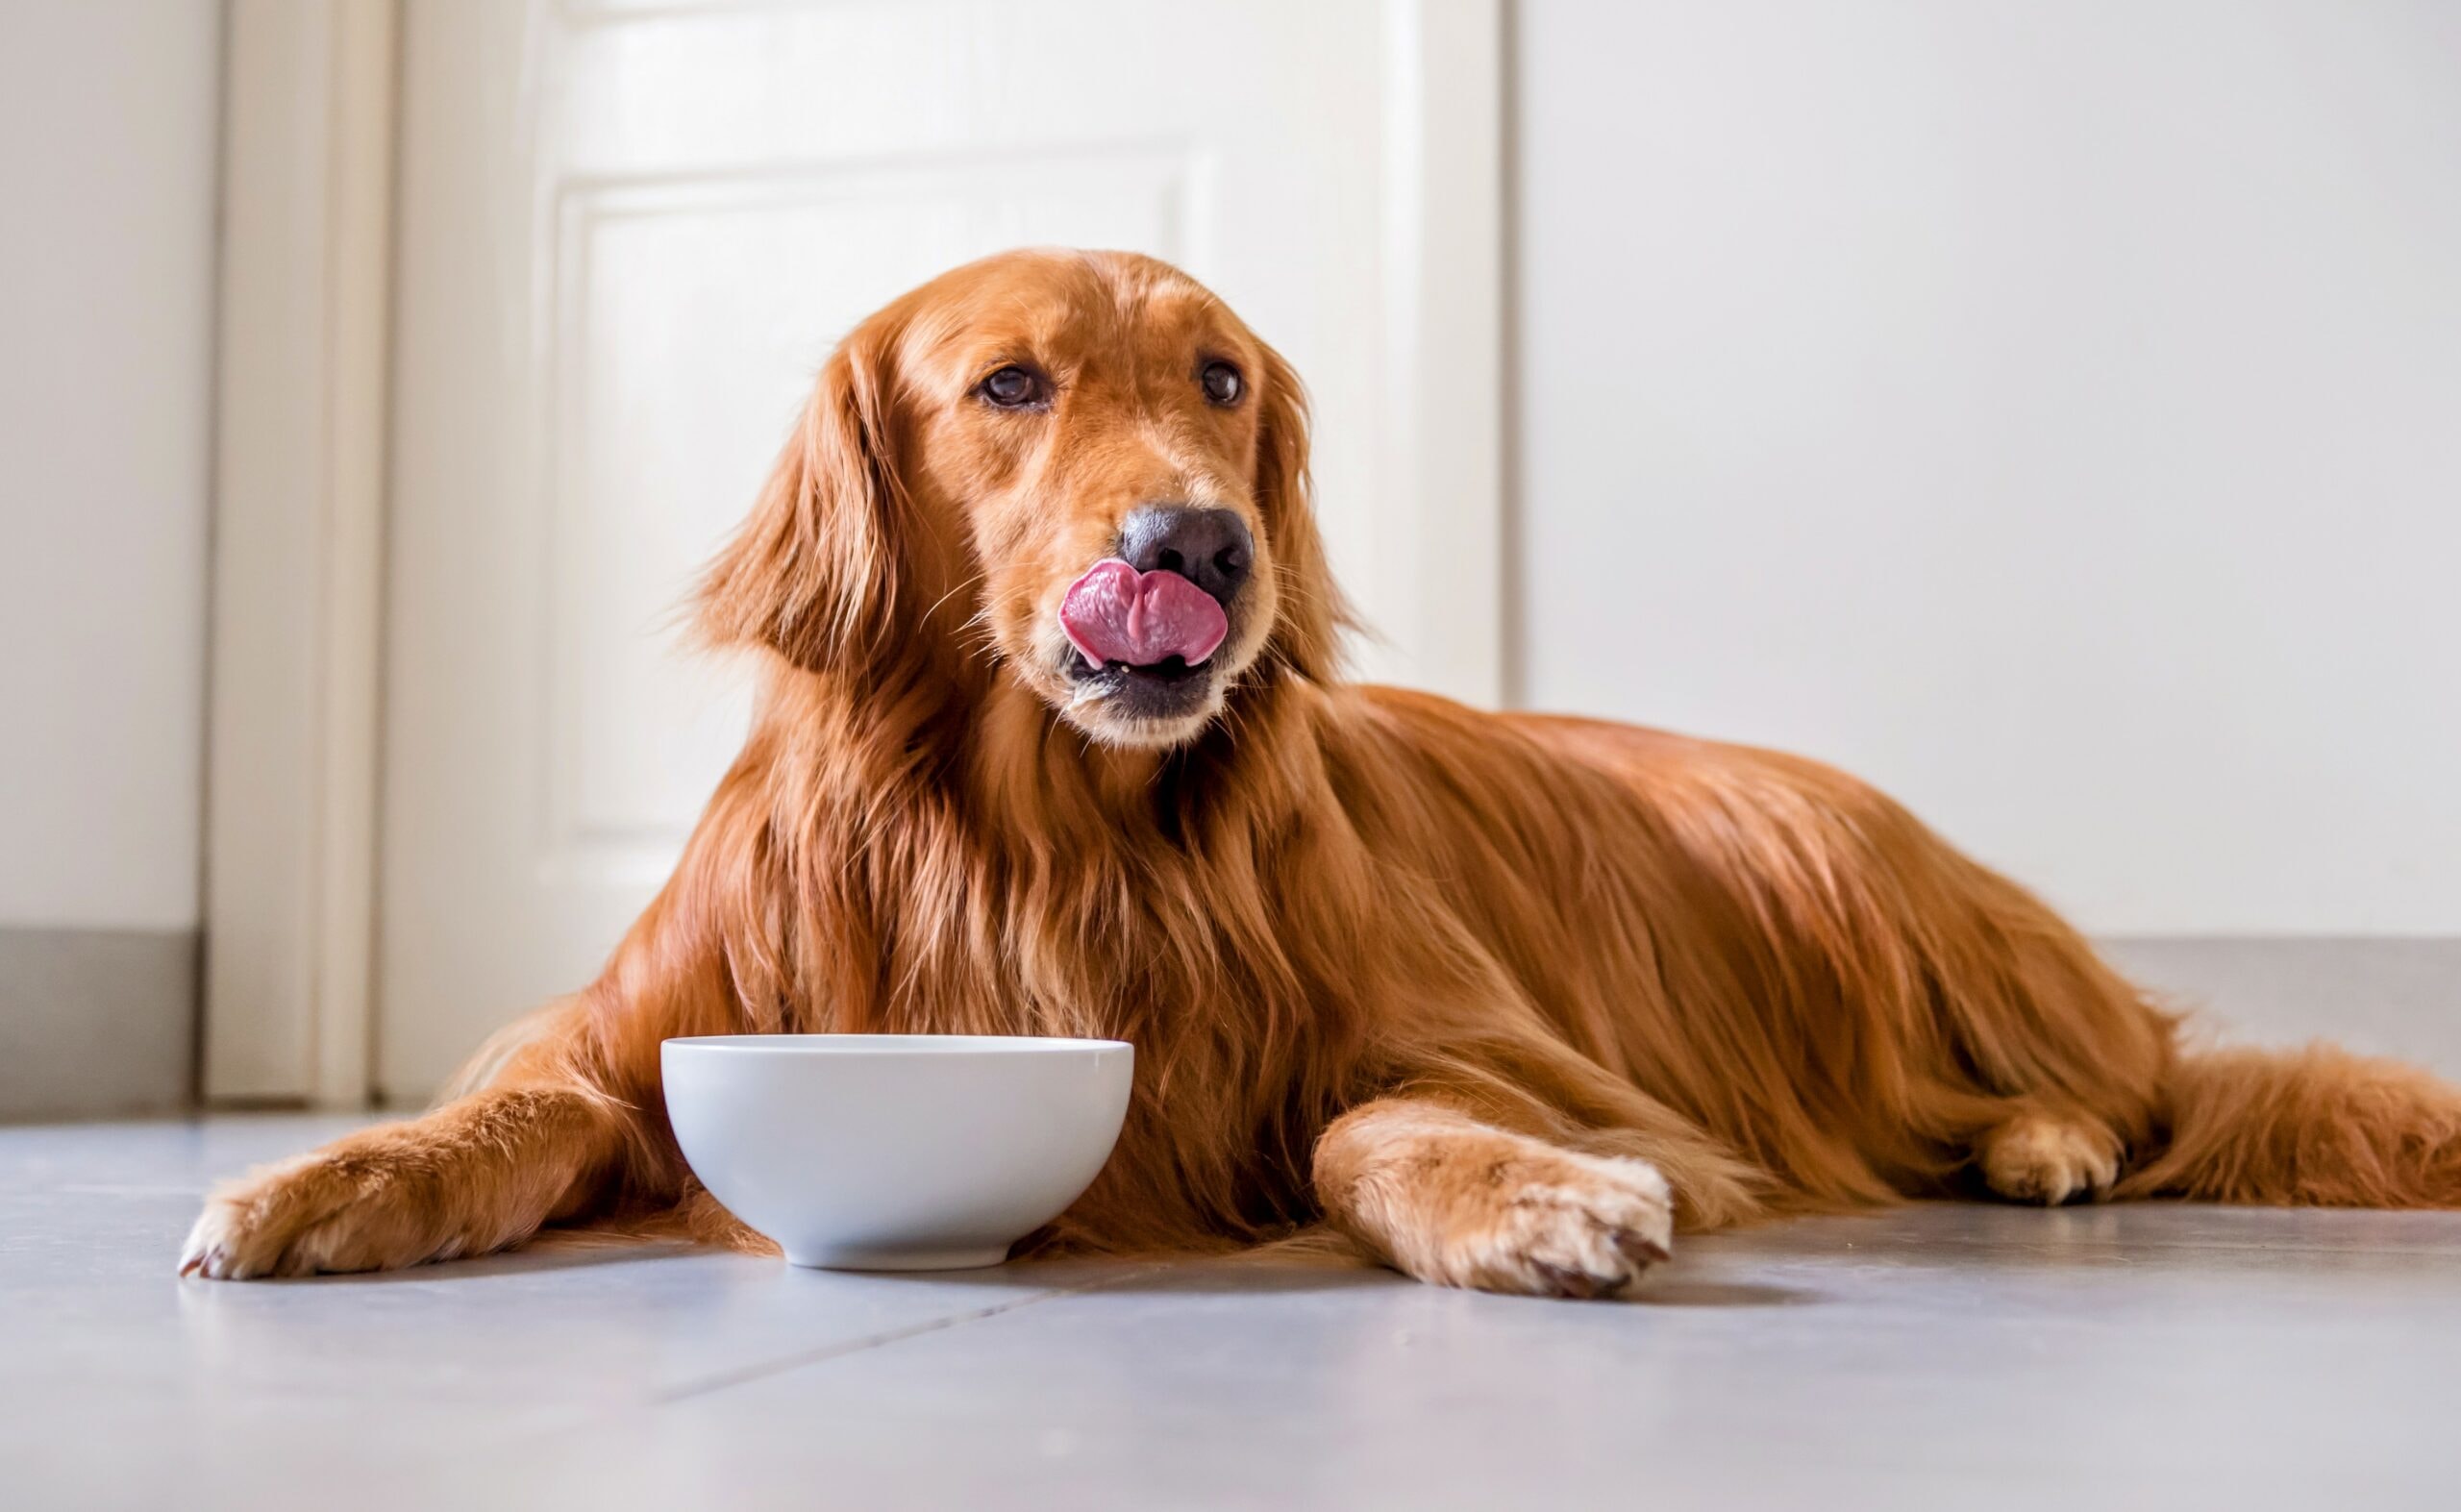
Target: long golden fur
{"points": [[1499, 998]]}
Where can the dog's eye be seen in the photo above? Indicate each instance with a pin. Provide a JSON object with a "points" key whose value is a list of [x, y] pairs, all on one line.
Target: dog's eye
{"points": [[1013, 388], [1222, 382]]}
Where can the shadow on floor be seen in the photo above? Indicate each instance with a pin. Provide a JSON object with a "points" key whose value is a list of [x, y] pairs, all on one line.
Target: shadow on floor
{"points": [[1275, 1270]]}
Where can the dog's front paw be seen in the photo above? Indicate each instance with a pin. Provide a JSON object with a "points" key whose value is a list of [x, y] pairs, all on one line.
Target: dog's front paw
{"points": [[1445, 1198], [1502, 1213], [1564, 1225], [313, 1214]]}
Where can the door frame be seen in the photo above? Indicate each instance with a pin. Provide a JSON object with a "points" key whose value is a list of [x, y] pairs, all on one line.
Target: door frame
{"points": [[298, 566], [295, 700]]}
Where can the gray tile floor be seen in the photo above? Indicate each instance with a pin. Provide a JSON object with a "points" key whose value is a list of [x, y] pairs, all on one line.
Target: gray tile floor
{"points": [[1933, 1356]]}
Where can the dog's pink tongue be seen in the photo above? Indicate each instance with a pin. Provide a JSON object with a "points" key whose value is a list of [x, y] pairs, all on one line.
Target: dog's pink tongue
{"points": [[1116, 613]]}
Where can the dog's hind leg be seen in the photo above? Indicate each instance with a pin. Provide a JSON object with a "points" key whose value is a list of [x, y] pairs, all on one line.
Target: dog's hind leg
{"points": [[2049, 1155]]}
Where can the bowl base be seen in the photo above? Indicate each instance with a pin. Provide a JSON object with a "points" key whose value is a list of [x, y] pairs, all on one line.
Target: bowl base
{"points": [[954, 1257]]}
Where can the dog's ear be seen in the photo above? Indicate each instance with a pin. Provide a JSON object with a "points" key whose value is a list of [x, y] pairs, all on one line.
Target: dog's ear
{"points": [[815, 572], [1312, 614]]}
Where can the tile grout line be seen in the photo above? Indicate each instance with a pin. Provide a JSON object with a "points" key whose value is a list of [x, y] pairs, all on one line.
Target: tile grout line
{"points": [[725, 1379]]}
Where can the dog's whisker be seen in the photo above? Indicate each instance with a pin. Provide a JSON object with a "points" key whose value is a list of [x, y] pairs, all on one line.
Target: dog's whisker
{"points": [[970, 581]]}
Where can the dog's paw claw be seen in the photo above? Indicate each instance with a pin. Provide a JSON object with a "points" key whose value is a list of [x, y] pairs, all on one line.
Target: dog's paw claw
{"points": [[1563, 1280], [1641, 1249]]}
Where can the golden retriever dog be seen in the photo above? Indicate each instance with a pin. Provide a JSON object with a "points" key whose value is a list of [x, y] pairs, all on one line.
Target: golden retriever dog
{"points": [[1054, 739]]}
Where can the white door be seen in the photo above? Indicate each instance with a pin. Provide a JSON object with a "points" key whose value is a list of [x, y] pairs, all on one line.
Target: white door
{"points": [[629, 233]]}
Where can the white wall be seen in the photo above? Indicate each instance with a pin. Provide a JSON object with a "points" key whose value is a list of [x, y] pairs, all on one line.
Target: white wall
{"points": [[108, 129], [2050, 412]]}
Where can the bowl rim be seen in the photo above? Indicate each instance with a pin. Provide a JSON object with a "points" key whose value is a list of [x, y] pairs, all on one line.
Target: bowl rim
{"points": [[918, 1046]]}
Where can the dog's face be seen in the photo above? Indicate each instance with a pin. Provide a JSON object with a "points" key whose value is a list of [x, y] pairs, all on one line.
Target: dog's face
{"points": [[1072, 418], [1088, 455]]}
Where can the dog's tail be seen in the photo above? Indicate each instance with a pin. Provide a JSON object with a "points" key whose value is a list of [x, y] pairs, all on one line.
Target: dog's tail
{"points": [[2313, 1127]]}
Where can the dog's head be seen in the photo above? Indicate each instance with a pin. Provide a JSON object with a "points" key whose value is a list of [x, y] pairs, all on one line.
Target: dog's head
{"points": [[1076, 471]]}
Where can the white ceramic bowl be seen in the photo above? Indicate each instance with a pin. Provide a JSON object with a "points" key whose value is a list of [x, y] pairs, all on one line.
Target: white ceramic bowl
{"points": [[896, 1152]]}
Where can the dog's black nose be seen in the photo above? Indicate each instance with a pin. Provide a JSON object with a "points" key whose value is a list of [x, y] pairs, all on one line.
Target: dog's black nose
{"points": [[1210, 548]]}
